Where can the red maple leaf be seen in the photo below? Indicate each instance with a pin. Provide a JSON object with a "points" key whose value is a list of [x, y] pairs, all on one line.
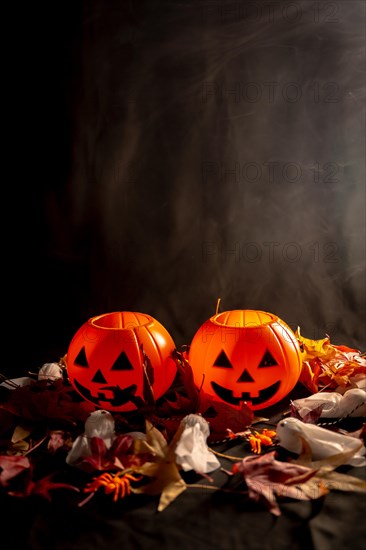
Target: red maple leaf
{"points": [[119, 456], [223, 417], [40, 401]]}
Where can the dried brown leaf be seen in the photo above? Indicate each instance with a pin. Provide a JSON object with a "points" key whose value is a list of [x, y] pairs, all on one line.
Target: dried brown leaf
{"points": [[268, 478]]}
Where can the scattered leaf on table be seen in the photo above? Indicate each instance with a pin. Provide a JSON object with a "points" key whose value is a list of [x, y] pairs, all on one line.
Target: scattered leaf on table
{"points": [[311, 417], [223, 417], [121, 455], [326, 365], [10, 467], [167, 481], [42, 402], [330, 462], [20, 433], [154, 444], [268, 478], [325, 473], [59, 439], [330, 480]]}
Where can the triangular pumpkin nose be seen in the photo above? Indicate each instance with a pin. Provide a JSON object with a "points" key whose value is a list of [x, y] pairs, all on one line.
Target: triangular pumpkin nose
{"points": [[245, 377], [99, 378]]}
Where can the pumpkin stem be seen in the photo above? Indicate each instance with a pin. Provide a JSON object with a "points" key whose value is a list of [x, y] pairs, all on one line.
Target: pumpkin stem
{"points": [[218, 305]]}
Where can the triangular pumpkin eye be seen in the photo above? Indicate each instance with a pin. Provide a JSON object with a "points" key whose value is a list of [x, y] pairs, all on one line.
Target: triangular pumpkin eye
{"points": [[122, 363], [267, 361], [223, 361], [81, 360]]}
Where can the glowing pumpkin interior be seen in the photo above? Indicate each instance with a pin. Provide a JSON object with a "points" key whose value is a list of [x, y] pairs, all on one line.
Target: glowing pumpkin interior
{"points": [[245, 356], [105, 360]]}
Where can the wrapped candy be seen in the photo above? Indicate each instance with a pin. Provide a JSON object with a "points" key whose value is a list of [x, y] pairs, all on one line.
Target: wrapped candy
{"points": [[191, 451], [98, 424], [323, 443], [334, 405]]}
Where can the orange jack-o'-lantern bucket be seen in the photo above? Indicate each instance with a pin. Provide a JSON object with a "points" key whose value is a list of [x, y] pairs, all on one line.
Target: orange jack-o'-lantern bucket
{"points": [[245, 356], [106, 360]]}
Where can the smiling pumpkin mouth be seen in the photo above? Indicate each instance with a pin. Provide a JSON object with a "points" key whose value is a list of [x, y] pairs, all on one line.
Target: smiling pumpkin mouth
{"points": [[227, 395], [119, 396]]}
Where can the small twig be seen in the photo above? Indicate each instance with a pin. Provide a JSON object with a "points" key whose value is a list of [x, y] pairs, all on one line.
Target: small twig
{"points": [[36, 445], [89, 497], [229, 457], [8, 381]]}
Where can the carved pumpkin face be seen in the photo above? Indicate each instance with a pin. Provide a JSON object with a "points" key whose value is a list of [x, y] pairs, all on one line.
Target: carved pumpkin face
{"points": [[106, 356], [245, 356]]}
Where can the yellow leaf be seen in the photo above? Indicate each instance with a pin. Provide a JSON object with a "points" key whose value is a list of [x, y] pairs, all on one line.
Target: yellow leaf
{"points": [[314, 348], [19, 448], [166, 482], [20, 433], [166, 479], [328, 463], [341, 482], [155, 442]]}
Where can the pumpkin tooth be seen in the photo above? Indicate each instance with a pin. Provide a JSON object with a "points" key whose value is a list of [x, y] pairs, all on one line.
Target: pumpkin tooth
{"points": [[266, 393], [263, 395]]}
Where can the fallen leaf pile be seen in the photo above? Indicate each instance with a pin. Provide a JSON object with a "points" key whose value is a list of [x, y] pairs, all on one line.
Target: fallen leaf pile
{"points": [[40, 422], [327, 366]]}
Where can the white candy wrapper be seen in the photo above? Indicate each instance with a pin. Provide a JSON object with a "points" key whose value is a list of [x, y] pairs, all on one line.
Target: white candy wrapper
{"points": [[323, 443], [98, 424], [191, 451], [335, 405]]}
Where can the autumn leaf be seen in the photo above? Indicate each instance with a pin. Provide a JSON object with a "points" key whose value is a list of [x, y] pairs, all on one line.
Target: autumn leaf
{"points": [[223, 417], [121, 455], [40, 401], [126, 452], [155, 443], [166, 482], [10, 467], [331, 480], [168, 426], [166, 479], [311, 417], [184, 400], [20, 433], [59, 440], [186, 375], [328, 365], [148, 375], [268, 478], [326, 474]]}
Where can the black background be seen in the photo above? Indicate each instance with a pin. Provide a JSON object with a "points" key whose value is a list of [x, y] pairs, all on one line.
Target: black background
{"points": [[144, 136], [170, 153]]}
